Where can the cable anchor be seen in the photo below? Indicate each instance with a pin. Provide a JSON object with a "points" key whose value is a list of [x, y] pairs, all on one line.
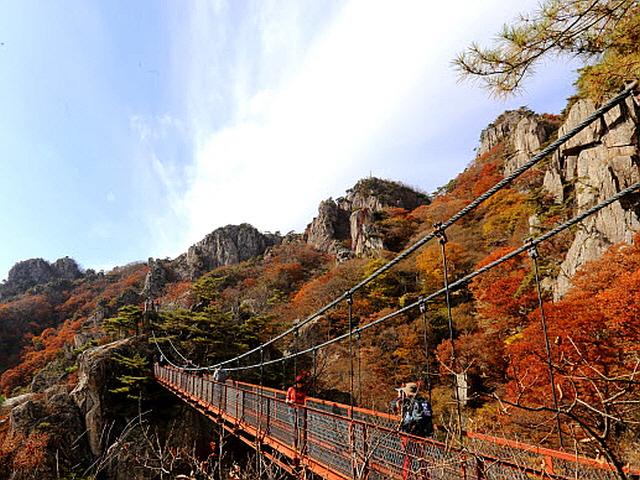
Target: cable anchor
{"points": [[532, 249], [440, 233]]}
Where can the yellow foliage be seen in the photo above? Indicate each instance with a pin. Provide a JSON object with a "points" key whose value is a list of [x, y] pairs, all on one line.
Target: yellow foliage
{"points": [[429, 264], [505, 210]]}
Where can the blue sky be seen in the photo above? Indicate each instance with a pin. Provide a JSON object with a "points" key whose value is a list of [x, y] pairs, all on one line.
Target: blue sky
{"points": [[132, 129]]}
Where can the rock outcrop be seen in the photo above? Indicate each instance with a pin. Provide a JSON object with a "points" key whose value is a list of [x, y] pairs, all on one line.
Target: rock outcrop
{"points": [[600, 161], [155, 280], [524, 133], [501, 128], [36, 271], [347, 226], [97, 371], [330, 230], [224, 246]]}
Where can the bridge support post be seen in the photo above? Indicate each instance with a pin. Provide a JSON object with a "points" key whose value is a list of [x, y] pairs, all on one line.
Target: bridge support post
{"points": [[365, 454]]}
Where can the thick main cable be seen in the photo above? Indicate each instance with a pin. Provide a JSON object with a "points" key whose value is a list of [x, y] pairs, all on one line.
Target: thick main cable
{"points": [[464, 211], [458, 283], [164, 355]]}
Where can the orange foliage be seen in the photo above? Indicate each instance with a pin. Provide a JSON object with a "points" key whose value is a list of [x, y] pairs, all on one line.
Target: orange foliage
{"points": [[476, 353], [80, 303], [21, 318], [132, 277], [20, 453], [503, 213], [397, 226], [33, 360], [482, 174]]}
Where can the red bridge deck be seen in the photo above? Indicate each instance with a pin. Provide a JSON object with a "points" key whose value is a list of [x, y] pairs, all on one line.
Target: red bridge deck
{"points": [[336, 443]]}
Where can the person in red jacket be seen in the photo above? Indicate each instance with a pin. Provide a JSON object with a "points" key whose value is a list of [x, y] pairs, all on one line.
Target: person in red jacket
{"points": [[296, 396]]}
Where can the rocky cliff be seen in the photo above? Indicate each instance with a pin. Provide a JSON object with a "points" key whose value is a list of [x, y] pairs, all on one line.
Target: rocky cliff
{"points": [[346, 226], [94, 428], [592, 166], [602, 160], [36, 271]]}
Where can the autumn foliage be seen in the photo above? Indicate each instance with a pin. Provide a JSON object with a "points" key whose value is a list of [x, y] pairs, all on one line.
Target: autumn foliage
{"points": [[594, 329]]}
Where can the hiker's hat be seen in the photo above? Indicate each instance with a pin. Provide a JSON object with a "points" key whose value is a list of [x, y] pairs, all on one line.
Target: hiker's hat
{"points": [[409, 389]]}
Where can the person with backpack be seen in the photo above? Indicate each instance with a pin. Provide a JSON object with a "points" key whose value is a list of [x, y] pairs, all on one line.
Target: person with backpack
{"points": [[415, 419], [416, 416]]}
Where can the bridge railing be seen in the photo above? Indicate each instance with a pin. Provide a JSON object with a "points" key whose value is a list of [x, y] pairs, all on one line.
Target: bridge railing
{"points": [[334, 442]]}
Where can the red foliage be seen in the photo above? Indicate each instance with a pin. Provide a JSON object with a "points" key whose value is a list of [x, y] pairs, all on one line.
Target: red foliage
{"points": [[22, 318], [397, 226], [130, 277], [595, 328], [320, 291], [476, 353], [178, 292], [81, 302], [503, 297]]}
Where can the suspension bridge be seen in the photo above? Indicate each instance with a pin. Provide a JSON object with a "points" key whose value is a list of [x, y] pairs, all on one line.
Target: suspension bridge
{"points": [[340, 442], [336, 441]]}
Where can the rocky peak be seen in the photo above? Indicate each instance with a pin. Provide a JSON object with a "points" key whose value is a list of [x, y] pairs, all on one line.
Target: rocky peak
{"points": [[346, 226], [522, 130], [376, 194], [501, 128], [66, 268], [36, 271], [224, 246]]}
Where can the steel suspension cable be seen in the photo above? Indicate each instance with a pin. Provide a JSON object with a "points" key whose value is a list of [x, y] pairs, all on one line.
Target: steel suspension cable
{"points": [[350, 313], [423, 310], [164, 355], [351, 426], [359, 374], [460, 214], [261, 415], [314, 385], [173, 347], [284, 371], [462, 281], [534, 254], [442, 238], [295, 359]]}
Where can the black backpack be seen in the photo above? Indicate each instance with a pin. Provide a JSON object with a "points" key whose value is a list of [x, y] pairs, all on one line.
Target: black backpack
{"points": [[416, 416]]}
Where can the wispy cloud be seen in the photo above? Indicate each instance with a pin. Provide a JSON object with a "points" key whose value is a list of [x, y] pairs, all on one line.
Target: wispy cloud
{"points": [[284, 111]]}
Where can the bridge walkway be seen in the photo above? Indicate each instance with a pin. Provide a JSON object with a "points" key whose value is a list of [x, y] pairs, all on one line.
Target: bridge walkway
{"points": [[336, 442]]}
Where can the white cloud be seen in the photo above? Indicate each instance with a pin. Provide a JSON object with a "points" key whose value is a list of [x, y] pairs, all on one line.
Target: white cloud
{"points": [[280, 124]]}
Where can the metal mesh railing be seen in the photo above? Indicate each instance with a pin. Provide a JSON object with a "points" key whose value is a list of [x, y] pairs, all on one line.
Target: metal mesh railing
{"points": [[330, 437]]}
